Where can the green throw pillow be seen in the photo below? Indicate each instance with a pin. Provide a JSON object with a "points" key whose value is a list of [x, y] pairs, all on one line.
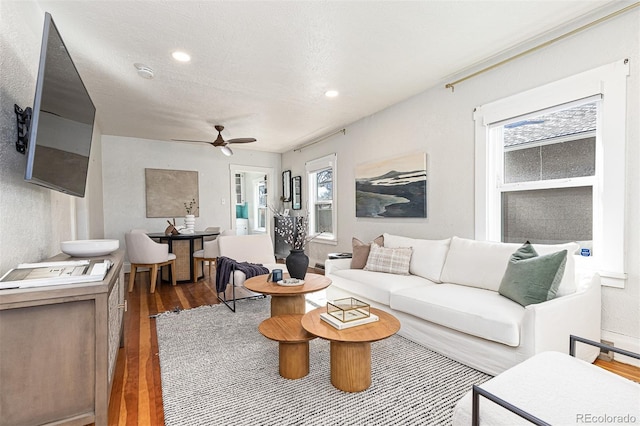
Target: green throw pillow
{"points": [[531, 278]]}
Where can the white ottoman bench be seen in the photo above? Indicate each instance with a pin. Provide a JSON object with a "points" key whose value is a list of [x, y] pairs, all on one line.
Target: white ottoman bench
{"points": [[557, 389]]}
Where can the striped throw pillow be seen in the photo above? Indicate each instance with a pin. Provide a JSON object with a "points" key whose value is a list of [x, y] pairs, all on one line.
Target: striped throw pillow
{"points": [[390, 260]]}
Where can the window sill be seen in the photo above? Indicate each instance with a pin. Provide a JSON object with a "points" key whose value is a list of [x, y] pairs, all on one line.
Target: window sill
{"points": [[589, 265], [327, 241], [612, 278]]}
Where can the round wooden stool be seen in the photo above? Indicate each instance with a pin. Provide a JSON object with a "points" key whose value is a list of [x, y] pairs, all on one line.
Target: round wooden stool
{"points": [[293, 343]]}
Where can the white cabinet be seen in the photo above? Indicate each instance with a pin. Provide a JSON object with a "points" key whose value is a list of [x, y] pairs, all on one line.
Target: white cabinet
{"points": [[242, 226], [239, 184]]}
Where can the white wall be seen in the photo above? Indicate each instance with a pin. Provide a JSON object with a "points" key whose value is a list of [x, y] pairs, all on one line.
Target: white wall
{"points": [[89, 210], [33, 220], [124, 161], [441, 124]]}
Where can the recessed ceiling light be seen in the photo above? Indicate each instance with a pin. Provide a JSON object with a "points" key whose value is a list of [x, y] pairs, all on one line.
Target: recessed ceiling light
{"points": [[331, 93], [181, 56]]}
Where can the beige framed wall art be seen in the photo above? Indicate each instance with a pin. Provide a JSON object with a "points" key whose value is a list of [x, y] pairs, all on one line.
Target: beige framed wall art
{"points": [[167, 191]]}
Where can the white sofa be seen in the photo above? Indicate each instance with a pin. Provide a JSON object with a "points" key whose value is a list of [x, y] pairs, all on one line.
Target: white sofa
{"points": [[450, 302]]}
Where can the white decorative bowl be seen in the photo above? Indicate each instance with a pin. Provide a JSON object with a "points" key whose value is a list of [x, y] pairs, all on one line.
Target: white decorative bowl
{"points": [[89, 248]]}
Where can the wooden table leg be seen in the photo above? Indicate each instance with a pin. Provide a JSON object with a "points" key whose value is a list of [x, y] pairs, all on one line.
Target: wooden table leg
{"points": [[294, 359], [351, 365], [283, 305]]}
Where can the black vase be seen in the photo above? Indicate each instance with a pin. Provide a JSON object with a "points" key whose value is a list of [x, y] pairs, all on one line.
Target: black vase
{"points": [[297, 263]]}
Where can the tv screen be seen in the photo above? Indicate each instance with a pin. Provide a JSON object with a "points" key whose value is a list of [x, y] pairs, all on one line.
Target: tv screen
{"points": [[62, 122]]}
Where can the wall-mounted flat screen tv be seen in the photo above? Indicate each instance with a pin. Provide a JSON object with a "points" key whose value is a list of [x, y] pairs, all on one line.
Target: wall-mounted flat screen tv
{"points": [[62, 123]]}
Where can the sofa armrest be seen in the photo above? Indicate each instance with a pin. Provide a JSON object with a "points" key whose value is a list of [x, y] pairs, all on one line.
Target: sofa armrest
{"points": [[548, 325], [333, 265]]}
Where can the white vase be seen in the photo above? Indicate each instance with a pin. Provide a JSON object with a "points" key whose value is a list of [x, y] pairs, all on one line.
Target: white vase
{"points": [[190, 222]]}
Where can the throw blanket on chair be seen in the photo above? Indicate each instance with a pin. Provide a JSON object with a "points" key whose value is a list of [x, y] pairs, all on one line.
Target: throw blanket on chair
{"points": [[225, 267]]}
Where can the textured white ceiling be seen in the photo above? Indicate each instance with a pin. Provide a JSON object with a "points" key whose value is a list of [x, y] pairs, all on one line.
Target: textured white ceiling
{"points": [[261, 68]]}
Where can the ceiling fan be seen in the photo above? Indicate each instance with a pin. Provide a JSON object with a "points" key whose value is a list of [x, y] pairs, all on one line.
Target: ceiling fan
{"points": [[220, 142]]}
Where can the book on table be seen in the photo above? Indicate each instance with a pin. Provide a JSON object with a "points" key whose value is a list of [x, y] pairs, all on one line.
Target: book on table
{"points": [[42, 274], [340, 325]]}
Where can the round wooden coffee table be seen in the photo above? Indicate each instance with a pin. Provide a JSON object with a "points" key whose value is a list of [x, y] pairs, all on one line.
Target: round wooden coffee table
{"points": [[351, 347], [287, 299], [293, 344]]}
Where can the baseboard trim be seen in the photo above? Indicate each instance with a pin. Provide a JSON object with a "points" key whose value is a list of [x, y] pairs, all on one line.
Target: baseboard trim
{"points": [[625, 342]]}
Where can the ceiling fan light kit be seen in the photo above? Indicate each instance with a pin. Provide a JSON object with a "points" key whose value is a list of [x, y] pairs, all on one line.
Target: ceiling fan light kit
{"points": [[226, 151]]}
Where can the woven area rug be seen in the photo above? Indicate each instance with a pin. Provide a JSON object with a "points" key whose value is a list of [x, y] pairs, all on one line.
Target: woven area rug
{"points": [[217, 369]]}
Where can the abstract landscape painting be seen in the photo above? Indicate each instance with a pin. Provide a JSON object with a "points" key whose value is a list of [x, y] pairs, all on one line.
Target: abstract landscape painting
{"points": [[392, 188]]}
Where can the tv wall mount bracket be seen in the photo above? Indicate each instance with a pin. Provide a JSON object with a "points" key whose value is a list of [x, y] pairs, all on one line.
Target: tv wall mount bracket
{"points": [[23, 119]]}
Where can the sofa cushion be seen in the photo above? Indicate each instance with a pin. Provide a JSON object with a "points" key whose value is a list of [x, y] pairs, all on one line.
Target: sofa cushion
{"points": [[531, 278], [482, 264], [360, 251], [389, 260], [478, 312], [427, 258], [375, 286]]}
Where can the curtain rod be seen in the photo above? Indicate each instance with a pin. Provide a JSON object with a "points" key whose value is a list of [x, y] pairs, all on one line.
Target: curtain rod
{"points": [[543, 45], [343, 131]]}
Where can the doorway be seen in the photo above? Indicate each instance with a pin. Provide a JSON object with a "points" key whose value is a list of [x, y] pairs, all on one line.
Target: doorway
{"points": [[251, 189]]}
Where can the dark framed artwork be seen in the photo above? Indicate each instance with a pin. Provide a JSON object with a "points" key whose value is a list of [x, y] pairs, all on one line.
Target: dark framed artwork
{"points": [[395, 187], [286, 186], [297, 193]]}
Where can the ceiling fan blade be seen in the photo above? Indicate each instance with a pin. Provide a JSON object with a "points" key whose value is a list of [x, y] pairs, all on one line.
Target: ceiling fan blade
{"points": [[188, 140], [241, 140], [219, 142]]}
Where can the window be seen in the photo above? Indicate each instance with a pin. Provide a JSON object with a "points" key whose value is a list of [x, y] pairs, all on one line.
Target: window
{"points": [[535, 182], [321, 178], [547, 176], [261, 204]]}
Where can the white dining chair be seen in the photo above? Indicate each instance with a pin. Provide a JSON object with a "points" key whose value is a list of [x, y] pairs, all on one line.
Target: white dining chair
{"points": [[215, 229], [143, 252]]}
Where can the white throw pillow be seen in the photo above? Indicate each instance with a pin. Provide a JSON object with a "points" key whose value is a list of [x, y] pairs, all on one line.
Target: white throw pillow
{"points": [[427, 259], [389, 260]]}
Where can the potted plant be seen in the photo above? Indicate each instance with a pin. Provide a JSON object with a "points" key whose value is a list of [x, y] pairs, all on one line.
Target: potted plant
{"points": [[293, 230], [190, 218]]}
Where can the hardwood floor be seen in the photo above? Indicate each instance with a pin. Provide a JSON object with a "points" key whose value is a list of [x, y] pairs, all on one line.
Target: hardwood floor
{"points": [[136, 394], [624, 370]]}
